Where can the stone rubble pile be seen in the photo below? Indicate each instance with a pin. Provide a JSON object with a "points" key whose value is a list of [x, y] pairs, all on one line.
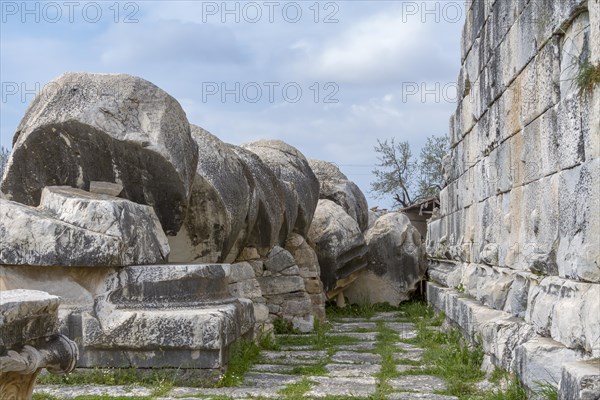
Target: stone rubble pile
{"points": [[515, 252], [389, 270]]}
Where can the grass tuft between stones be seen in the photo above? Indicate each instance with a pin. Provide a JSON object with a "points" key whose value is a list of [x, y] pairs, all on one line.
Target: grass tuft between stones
{"points": [[588, 76], [296, 391]]}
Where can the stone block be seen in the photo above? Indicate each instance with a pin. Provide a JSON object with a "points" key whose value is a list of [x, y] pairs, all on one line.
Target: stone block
{"points": [[445, 272], [578, 253], [339, 244], [540, 360], [540, 225], [567, 311], [108, 188], [580, 381], [249, 289], [517, 170], [540, 85], [26, 315], [499, 331], [278, 260], [396, 262], [72, 227], [506, 111], [281, 284], [241, 271], [164, 316]]}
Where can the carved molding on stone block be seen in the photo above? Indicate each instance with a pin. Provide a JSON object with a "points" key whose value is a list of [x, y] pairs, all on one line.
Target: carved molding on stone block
{"points": [[18, 370]]}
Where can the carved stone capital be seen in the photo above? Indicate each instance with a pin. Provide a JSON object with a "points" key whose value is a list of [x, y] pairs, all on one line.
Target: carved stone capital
{"points": [[18, 370], [58, 354]]}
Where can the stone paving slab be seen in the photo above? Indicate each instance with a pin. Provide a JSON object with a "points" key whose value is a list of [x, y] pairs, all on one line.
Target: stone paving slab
{"points": [[413, 355], [294, 357], [366, 336], [296, 348], [419, 396], [349, 370], [405, 330], [69, 392], [269, 379], [388, 316], [424, 383], [239, 392], [353, 357], [354, 326], [326, 386], [275, 368], [361, 346]]}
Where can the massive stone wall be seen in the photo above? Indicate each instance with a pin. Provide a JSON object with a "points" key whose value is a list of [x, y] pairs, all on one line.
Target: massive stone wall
{"points": [[519, 221]]}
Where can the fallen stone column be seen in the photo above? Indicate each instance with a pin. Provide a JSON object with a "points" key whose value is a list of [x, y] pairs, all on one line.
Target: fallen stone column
{"points": [[29, 343]]}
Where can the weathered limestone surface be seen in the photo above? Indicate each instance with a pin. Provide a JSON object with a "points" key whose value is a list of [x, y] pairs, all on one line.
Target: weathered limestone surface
{"points": [[251, 196], [396, 262], [29, 342], [580, 380], [336, 186], [72, 227], [163, 316], [266, 224], [117, 135], [339, 244], [301, 186], [100, 127], [282, 285], [218, 204], [243, 283], [519, 222], [307, 261]]}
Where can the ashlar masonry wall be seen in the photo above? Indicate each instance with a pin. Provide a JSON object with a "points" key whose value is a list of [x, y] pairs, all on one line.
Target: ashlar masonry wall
{"points": [[515, 253]]}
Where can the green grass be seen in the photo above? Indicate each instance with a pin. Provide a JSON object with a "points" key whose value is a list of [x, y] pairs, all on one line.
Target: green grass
{"points": [[317, 369], [386, 338], [448, 355], [363, 310], [94, 397], [514, 391], [284, 327], [319, 340], [160, 381], [244, 355], [296, 391], [418, 310], [546, 391], [588, 76], [267, 341]]}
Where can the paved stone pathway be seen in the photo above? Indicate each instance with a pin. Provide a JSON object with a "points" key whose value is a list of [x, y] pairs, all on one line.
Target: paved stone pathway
{"points": [[343, 370]]}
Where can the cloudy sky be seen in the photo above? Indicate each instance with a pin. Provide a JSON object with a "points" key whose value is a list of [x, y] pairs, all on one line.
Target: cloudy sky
{"points": [[329, 77]]}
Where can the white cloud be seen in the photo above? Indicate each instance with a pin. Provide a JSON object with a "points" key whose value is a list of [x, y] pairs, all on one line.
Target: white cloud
{"points": [[170, 42], [369, 54], [378, 48]]}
